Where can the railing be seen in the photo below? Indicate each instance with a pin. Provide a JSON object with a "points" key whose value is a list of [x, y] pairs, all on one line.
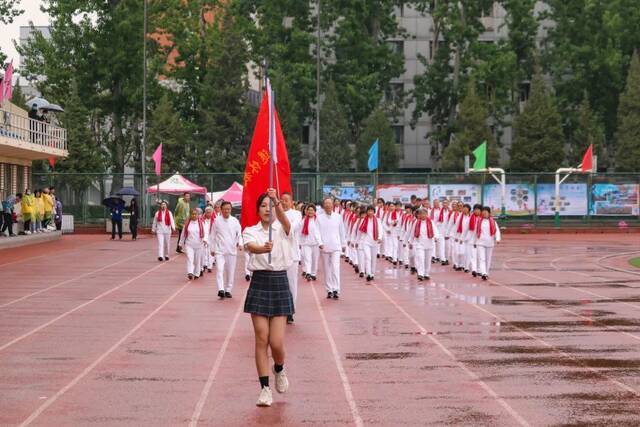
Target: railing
{"points": [[36, 132]]}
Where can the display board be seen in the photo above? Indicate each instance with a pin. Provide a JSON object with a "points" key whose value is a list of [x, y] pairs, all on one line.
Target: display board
{"points": [[401, 192], [466, 193], [573, 199], [359, 193], [520, 199], [614, 199]]}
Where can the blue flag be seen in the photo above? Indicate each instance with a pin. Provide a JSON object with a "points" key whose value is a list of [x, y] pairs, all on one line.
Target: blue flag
{"points": [[373, 156]]}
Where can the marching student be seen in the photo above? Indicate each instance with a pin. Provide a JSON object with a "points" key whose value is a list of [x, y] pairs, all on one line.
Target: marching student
{"points": [[391, 225], [422, 241], [450, 233], [486, 237], [439, 215], [227, 241], [208, 221], [380, 211], [370, 235], [269, 299], [163, 224], [333, 243], [310, 242], [461, 238], [472, 251], [192, 241], [295, 218], [405, 224], [358, 249], [352, 231], [407, 237]]}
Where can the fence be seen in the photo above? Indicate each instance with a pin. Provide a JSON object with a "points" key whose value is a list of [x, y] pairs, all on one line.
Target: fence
{"points": [[585, 199]]}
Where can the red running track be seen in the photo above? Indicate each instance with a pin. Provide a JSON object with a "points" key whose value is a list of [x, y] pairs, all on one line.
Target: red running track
{"points": [[95, 332]]}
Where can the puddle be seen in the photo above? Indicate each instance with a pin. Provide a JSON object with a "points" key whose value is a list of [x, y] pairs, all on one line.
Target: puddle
{"points": [[112, 377], [379, 356], [560, 361], [131, 302], [145, 352]]}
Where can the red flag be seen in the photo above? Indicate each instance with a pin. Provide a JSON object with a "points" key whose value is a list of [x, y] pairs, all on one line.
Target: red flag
{"points": [[157, 158], [587, 160], [8, 76], [52, 162], [256, 172]]}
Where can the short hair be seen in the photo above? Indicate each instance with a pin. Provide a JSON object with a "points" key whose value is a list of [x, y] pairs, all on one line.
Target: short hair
{"points": [[208, 209], [362, 210], [408, 206], [486, 208], [467, 205], [477, 206], [185, 193], [371, 208], [224, 203], [287, 193], [380, 199]]}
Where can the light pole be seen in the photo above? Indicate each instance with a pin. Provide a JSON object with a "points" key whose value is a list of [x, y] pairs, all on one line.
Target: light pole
{"points": [[143, 148], [318, 40]]}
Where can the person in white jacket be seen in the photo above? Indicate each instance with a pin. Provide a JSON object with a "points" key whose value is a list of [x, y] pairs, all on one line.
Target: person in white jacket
{"points": [[333, 244], [486, 237], [310, 242], [227, 240], [192, 241], [461, 236], [422, 240], [162, 226], [208, 220], [450, 233], [439, 216], [370, 235], [392, 227], [295, 218]]}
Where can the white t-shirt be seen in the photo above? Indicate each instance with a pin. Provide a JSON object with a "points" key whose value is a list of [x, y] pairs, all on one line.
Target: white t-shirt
{"points": [[227, 235], [280, 253], [295, 217]]}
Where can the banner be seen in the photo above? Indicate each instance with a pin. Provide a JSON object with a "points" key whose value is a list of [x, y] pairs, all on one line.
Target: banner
{"points": [[359, 193], [520, 199], [573, 199], [402, 192], [466, 193], [614, 199]]}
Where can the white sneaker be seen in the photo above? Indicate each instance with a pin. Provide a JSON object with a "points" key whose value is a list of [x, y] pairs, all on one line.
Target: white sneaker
{"points": [[27, 232], [282, 383], [265, 398]]}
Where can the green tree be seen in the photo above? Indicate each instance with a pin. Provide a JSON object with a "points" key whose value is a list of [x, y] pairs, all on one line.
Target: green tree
{"points": [[588, 130], [335, 149], [472, 130], [377, 126], [288, 112], [628, 133], [165, 127], [18, 98], [538, 143]]}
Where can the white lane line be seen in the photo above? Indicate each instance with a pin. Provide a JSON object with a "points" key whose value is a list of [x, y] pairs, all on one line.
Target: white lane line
{"points": [[195, 417], [357, 419], [423, 331], [35, 414], [70, 280], [92, 300], [608, 267]]}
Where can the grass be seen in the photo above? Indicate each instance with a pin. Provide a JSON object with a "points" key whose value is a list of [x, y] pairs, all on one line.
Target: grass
{"points": [[635, 262]]}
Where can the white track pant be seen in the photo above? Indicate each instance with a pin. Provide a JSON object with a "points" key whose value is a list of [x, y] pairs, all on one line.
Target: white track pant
{"points": [[331, 265], [361, 257], [225, 271], [292, 276], [310, 255], [164, 243], [471, 257], [207, 258], [369, 253], [484, 259], [440, 252], [194, 260], [449, 248], [423, 261], [394, 250], [404, 251]]}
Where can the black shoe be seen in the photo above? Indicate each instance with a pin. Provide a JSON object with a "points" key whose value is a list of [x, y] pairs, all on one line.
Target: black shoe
{"points": [[377, 255], [304, 274], [361, 274], [166, 258], [228, 295], [178, 251], [445, 263], [406, 266], [466, 270], [190, 276], [420, 278], [289, 319], [426, 278], [335, 295], [484, 277], [357, 270], [329, 295], [220, 294], [209, 270], [308, 277], [369, 278], [160, 258], [474, 274], [247, 277], [196, 276], [314, 278]]}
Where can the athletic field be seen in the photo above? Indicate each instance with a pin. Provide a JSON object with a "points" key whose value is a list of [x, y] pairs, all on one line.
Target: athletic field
{"points": [[95, 332]]}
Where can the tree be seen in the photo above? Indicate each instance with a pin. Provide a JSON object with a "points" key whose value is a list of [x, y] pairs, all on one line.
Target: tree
{"points": [[588, 130], [165, 127], [538, 143], [472, 130], [377, 126], [288, 113], [628, 133], [18, 98], [335, 149]]}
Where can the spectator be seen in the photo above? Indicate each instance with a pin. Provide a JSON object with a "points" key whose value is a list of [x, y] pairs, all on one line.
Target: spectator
{"points": [[7, 214], [181, 214], [28, 208], [49, 205], [116, 220], [17, 212], [39, 211], [133, 221], [58, 215]]}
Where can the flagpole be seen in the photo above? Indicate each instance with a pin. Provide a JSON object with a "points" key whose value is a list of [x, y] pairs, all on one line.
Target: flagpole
{"points": [[267, 86]]}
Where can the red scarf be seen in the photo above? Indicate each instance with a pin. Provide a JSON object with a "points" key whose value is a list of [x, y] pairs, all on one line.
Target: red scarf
{"points": [[394, 216], [441, 216], [460, 223], [352, 221], [492, 227], [429, 228], [305, 226], [365, 226], [432, 215], [472, 222], [167, 218], [186, 229], [378, 212]]}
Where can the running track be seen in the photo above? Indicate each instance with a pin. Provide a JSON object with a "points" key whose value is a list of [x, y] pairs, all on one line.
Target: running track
{"points": [[94, 332]]}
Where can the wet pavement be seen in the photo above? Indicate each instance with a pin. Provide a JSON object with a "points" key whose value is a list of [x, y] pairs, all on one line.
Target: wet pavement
{"points": [[94, 332]]}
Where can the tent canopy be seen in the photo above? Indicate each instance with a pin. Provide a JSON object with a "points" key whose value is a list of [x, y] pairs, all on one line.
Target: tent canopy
{"points": [[232, 194], [177, 185]]}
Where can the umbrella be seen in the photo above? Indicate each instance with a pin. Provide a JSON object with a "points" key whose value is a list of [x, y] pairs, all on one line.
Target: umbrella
{"points": [[127, 191], [53, 107], [113, 202], [40, 103]]}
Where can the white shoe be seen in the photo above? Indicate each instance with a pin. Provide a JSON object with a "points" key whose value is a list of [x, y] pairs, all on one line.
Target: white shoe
{"points": [[265, 398], [282, 383], [27, 232]]}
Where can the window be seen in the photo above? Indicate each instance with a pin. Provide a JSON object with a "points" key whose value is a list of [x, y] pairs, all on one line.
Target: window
{"points": [[487, 11], [431, 51], [397, 46], [398, 132], [305, 134], [525, 88], [395, 92]]}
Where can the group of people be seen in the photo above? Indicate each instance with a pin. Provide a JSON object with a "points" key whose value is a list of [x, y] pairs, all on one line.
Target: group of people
{"points": [[116, 211], [37, 212]]}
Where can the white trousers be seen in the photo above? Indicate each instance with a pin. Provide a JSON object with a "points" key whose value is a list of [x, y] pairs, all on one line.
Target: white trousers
{"points": [[404, 250], [352, 254], [471, 256], [369, 261], [423, 261], [164, 243], [394, 244], [331, 264], [292, 277], [207, 258], [225, 271], [194, 260], [449, 248], [361, 257], [440, 252], [484, 259], [310, 255]]}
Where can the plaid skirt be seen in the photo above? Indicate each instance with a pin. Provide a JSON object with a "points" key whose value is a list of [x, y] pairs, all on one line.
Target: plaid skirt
{"points": [[269, 294]]}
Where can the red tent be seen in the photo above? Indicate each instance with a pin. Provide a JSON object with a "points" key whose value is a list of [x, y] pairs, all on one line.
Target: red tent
{"points": [[177, 185]]}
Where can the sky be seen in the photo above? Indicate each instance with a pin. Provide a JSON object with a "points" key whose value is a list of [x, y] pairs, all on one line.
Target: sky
{"points": [[11, 32]]}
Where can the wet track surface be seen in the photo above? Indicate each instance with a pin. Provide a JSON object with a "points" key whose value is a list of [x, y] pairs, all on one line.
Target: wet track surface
{"points": [[94, 332]]}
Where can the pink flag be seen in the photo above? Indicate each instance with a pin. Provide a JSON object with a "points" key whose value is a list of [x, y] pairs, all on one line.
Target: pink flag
{"points": [[157, 158], [8, 76]]}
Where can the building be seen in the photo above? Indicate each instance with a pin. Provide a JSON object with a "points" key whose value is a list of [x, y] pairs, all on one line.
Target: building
{"points": [[26, 33]]}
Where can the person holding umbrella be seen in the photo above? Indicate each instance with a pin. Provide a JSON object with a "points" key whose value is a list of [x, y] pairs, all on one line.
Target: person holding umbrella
{"points": [[116, 209]]}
